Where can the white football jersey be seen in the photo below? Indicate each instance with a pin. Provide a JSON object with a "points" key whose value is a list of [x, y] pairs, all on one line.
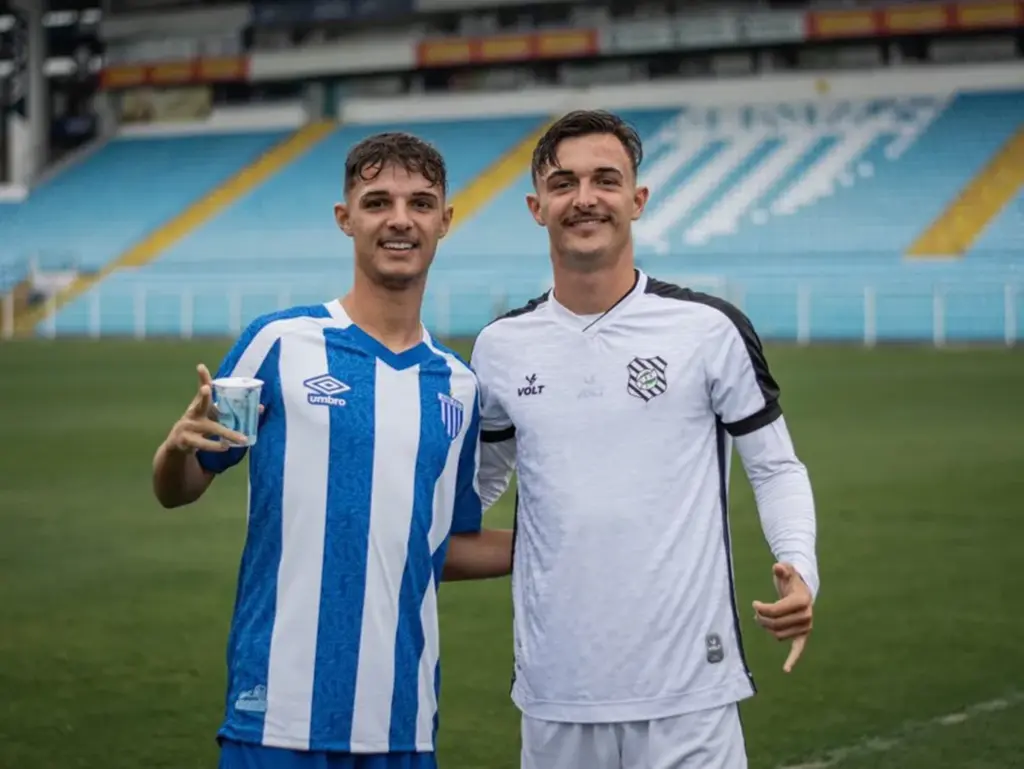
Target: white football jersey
{"points": [[620, 429]]}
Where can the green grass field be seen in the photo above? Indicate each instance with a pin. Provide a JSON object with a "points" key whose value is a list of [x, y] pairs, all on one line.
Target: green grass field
{"points": [[114, 612]]}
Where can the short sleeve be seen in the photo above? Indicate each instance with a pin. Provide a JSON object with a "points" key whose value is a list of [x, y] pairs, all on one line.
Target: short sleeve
{"points": [[252, 355], [744, 394], [495, 424], [467, 515]]}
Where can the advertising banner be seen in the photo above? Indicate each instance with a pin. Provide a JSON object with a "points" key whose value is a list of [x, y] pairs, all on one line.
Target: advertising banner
{"points": [[222, 69], [915, 18], [163, 105], [530, 46]]}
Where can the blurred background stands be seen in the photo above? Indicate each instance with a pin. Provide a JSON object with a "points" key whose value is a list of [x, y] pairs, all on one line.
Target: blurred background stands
{"points": [[843, 171]]}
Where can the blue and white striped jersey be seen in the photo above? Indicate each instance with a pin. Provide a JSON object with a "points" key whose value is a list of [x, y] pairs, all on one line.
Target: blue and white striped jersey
{"points": [[365, 463]]}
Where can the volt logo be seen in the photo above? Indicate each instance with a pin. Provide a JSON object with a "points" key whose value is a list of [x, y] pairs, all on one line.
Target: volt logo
{"points": [[531, 387]]}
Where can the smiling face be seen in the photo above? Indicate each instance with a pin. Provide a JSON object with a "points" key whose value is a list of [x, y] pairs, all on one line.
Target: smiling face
{"points": [[395, 212], [587, 198]]}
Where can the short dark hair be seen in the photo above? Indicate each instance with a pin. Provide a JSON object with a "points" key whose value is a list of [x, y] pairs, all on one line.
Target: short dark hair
{"points": [[367, 158], [585, 122]]}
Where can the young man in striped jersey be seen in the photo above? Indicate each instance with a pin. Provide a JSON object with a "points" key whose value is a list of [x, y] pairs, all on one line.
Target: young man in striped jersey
{"points": [[617, 398], [362, 494]]}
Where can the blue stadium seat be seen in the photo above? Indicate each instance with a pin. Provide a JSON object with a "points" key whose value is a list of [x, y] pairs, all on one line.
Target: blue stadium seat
{"points": [[291, 216], [744, 180], [802, 216], [101, 206], [282, 233], [1004, 236]]}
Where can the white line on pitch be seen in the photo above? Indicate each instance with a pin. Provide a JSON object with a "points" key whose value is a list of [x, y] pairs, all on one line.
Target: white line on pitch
{"points": [[870, 745]]}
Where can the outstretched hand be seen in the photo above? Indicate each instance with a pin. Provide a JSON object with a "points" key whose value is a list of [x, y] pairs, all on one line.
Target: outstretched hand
{"points": [[192, 432], [792, 616]]}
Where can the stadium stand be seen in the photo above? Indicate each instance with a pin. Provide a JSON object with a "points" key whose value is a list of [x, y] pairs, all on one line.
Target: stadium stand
{"points": [[1004, 237], [767, 181], [887, 209], [103, 205], [279, 240], [763, 202]]}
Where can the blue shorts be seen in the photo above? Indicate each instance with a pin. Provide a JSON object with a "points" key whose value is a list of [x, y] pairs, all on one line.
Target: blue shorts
{"points": [[238, 755]]}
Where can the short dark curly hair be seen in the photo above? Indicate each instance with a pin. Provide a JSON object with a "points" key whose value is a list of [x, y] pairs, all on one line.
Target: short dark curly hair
{"points": [[585, 122], [367, 158]]}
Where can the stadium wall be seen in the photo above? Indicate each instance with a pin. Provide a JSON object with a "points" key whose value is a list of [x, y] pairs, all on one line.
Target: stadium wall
{"points": [[772, 88]]}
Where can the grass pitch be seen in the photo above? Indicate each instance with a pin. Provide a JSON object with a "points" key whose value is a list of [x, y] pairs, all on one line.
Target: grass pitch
{"points": [[114, 612]]}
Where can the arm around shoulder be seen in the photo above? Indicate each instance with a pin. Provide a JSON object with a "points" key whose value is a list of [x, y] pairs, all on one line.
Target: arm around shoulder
{"points": [[497, 432], [483, 554]]}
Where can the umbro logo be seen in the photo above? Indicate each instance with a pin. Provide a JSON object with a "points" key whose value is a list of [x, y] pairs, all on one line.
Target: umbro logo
{"points": [[531, 387], [325, 390]]}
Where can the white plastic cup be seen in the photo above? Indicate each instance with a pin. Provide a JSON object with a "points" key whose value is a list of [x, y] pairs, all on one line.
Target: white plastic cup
{"points": [[237, 402]]}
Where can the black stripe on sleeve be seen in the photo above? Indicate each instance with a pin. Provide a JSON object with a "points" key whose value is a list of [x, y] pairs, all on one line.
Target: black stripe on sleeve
{"points": [[498, 436], [765, 381], [762, 418], [751, 341], [534, 304]]}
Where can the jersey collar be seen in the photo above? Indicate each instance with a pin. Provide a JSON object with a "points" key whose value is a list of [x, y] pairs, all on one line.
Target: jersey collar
{"points": [[591, 323], [338, 312], [398, 361]]}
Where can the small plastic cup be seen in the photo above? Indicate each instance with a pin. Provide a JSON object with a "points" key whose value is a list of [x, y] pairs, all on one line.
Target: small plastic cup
{"points": [[237, 402]]}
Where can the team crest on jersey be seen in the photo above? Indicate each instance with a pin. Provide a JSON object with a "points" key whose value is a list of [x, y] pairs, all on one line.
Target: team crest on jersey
{"points": [[647, 378], [452, 414]]}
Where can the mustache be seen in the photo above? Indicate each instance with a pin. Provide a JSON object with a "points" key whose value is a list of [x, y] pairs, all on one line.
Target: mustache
{"points": [[587, 217]]}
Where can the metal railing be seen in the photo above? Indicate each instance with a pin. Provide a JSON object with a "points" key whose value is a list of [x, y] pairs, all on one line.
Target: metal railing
{"points": [[800, 311]]}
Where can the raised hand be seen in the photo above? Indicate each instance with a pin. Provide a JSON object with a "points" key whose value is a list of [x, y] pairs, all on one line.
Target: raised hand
{"points": [[192, 432]]}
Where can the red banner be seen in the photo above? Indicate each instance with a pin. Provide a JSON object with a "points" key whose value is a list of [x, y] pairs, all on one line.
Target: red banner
{"points": [[919, 18], [222, 69], [550, 44]]}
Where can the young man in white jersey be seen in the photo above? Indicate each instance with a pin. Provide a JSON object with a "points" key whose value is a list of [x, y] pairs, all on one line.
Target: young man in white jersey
{"points": [[362, 481], [617, 397]]}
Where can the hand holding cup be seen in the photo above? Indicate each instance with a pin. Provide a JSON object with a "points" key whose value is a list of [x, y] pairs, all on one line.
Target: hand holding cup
{"points": [[200, 423]]}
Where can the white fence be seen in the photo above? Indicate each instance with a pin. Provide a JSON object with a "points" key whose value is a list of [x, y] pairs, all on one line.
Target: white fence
{"points": [[802, 312]]}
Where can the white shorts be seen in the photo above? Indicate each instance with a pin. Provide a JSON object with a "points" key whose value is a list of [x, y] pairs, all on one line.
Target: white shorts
{"points": [[709, 739]]}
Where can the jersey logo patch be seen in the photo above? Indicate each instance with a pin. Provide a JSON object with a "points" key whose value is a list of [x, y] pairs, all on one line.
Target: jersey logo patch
{"points": [[591, 388], [531, 388], [715, 649], [647, 378], [452, 414], [325, 390], [253, 701]]}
